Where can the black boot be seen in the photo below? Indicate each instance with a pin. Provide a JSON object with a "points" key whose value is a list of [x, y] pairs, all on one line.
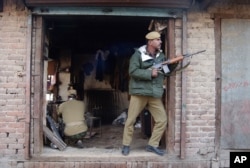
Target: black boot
{"points": [[79, 144], [155, 150], [125, 150]]}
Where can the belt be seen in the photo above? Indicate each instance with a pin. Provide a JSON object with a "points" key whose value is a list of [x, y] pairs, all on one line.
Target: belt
{"points": [[74, 123]]}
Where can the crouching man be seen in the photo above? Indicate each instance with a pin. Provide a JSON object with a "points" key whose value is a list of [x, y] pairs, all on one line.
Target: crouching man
{"points": [[72, 112]]}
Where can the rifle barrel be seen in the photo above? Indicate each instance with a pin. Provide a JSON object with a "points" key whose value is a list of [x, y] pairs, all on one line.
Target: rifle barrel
{"points": [[188, 55]]}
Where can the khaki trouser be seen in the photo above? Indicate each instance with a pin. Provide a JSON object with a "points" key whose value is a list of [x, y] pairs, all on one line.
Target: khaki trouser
{"points": [[156, 108]]}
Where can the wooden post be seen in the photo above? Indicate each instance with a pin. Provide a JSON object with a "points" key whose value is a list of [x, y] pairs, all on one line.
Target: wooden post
{"points": [[28, 89], [170, 89]]}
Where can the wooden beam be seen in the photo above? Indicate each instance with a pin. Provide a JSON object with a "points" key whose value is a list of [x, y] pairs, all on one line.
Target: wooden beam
{"points": [[37, 75], [218, 64], [137, 3], [54, 138], [28, 89]]}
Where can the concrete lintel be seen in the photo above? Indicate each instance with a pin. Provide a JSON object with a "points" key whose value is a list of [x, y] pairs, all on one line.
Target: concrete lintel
{"points": [[109, 11]]}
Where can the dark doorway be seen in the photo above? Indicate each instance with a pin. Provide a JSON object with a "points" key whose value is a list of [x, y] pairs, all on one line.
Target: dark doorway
{"points": [[72, 44]]}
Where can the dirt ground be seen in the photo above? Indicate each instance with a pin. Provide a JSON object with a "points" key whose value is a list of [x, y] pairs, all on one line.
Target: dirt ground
{"points": [[107, 138], [106, 146], [110, 137]]}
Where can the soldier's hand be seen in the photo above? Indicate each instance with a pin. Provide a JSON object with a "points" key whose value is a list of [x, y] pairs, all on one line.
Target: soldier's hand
{"points": [[154, 73]]}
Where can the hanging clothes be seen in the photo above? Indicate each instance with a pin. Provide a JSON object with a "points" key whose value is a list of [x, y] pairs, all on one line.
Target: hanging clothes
{"points": [[99, 65]]}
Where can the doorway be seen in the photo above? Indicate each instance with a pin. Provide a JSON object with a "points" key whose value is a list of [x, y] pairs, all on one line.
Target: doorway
{"points": [[91, 54]]}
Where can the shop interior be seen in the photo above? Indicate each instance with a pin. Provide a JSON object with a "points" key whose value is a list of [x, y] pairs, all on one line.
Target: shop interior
{"points": [[91, 54]]}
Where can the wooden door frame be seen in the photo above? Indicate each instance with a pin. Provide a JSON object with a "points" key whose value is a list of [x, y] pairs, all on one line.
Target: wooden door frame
{"points": [[37, 109], [170, 89]]}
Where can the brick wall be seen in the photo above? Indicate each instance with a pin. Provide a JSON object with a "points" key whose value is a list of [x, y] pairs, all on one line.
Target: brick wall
{"points": [[12, 80], [200, 79]]}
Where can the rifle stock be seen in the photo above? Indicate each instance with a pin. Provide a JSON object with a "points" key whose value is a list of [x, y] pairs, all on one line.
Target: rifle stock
{"points": [[170, 61], [173, 60]]}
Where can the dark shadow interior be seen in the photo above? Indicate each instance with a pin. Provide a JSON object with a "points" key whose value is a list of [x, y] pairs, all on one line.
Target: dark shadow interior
{"points": [[89, 33]]}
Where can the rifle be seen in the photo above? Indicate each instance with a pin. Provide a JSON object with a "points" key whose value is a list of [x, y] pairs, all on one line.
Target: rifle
{"points": [[163, 65]]}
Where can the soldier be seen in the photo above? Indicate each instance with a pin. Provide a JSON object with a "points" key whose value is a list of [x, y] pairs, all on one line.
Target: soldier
{"points": [[72, 112], [146, 89]]}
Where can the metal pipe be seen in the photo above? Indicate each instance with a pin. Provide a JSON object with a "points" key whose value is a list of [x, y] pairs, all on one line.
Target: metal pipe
{"points": [[183, 88]]}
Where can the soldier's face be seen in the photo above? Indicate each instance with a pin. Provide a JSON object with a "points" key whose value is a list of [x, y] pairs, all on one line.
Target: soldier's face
{"points": [[156, 43]]}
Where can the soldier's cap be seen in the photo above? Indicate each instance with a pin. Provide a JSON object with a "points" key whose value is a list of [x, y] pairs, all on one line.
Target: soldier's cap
{"points": [[153, 35]]}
